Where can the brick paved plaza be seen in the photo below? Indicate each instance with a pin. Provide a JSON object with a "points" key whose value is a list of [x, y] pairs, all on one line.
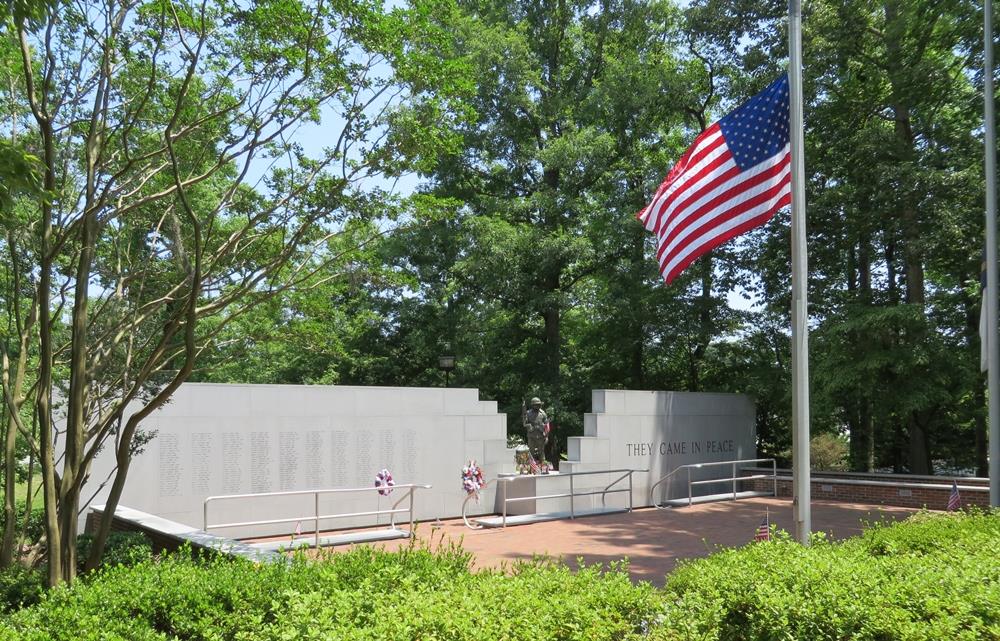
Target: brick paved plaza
{"points": [[653, 540]]}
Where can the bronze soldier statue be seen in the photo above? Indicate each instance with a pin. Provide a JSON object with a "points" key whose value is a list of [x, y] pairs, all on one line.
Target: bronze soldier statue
{"points": [[535, 420]]}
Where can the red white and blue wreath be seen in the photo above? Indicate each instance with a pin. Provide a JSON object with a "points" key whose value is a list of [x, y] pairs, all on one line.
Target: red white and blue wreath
{"points": [[384, 482], [472, 479]]}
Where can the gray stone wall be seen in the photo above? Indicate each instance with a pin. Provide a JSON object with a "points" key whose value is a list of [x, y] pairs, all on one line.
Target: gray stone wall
{"points": [[659, 431], [236, 439]]}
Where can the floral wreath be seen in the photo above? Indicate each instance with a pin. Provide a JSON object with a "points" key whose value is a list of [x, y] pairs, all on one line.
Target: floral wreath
{"points": [[472, 479], [383, 481]]}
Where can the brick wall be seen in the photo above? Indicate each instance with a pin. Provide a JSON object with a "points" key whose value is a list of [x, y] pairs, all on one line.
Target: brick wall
{"points": [[931, 492]]}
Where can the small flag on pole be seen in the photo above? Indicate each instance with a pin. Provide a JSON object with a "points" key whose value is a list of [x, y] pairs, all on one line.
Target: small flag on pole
{"points": [[954, 499], [298, 530], [764, 529], [734, 177]]}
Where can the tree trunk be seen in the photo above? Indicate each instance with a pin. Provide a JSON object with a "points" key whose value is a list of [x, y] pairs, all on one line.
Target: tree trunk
{"points": [[29, 494], [124, 452], [918, 450], [73, 468], [9, 468], [863, 443], [704, 335], [637, 342], [862, 437], [13, 391], [43, 395]]}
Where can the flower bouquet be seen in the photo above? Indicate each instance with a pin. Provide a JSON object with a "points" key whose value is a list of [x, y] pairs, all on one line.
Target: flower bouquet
{"points": [[472, 479], [384, 482]]}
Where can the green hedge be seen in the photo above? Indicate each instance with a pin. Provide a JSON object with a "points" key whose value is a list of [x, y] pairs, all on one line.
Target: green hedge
{"points": [[121, 548], [20, 587], [933, 577], [364, 594]]}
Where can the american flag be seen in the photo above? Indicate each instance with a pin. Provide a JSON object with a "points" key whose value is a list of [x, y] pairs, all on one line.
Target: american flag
{"points": [[733, 178], [763, 532], [954, 500]]}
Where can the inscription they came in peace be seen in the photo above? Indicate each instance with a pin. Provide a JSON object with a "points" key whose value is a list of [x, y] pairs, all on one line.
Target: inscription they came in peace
{"points": [[671, 448]]}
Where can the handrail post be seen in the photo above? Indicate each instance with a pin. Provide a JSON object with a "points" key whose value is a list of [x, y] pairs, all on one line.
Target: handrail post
{"points": [[690, 501], [630, 490], [774, 475], [734, 480], [505, 503], [316, 506], [412, 489], [572, 496], [204, 515]]}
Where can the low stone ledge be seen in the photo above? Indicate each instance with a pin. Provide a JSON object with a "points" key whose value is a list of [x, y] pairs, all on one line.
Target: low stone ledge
{"points": [[885, 489], [167, 535], [875, 476]]}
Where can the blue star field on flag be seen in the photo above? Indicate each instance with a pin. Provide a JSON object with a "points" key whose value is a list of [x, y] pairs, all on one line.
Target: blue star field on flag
{"points": [[758, 129]]}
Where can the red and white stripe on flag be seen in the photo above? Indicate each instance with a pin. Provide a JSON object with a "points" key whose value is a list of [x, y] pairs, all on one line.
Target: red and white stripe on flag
{"points": [[734, 177], [954, 498], [763, 532]]}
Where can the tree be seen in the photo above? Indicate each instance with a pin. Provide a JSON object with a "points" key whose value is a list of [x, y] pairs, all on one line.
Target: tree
{"points": [[576, 114], [178, 200], [893, 177]]}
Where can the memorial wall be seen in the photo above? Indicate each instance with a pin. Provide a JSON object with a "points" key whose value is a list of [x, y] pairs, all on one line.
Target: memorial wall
{"points": [[660, 431], [215, 439], [218, 439]]}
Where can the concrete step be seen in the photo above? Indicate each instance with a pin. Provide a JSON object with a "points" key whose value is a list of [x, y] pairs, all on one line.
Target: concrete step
{"points": [[496, 452], [576, 465], [710, 498], [589, 448], [525, 519], [337, 539]]}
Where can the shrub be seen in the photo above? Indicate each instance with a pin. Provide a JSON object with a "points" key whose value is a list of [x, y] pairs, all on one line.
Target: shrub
{"points": [[934, 577], [364, 594], [20, 587], [828, 452], [122, 548]]}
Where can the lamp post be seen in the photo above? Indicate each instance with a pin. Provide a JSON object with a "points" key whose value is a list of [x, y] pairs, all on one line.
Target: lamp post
{"points": [[446, 364]]}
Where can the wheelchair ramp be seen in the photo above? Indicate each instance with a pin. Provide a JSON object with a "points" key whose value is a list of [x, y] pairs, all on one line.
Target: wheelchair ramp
{"points": [[711, 498], [525, 519], [349, 538]]}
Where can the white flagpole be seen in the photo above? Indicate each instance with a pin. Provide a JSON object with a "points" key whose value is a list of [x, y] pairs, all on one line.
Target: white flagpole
{"points": [[800, 312], [992, 344]]}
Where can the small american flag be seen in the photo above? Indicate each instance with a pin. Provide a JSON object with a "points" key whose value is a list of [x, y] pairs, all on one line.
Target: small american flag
{"points": [[763, 532], [734, 177], [954, 499]]}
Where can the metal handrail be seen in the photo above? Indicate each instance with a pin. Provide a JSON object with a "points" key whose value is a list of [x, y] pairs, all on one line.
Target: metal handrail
{"points": [[465, 517], [626, 473], [316, 517], [735, 479]]}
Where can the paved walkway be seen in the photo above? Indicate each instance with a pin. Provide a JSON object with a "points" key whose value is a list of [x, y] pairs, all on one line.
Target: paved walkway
{"points": [[653, 540]]}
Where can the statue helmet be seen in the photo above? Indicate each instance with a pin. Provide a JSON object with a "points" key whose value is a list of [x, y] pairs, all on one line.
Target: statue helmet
{"points": [[536, 401]]}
